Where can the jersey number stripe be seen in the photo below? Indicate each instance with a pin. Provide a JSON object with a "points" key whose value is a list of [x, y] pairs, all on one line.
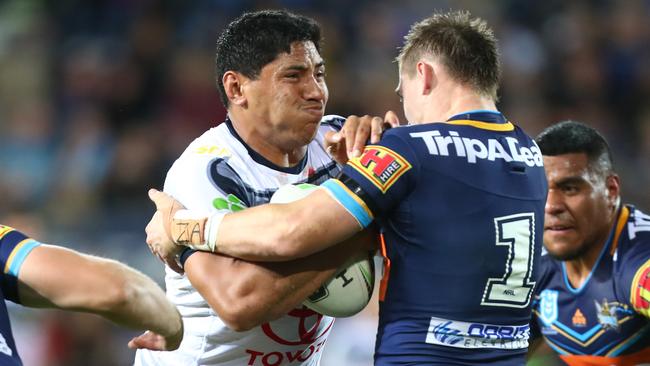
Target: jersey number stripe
{"points": [[515, 287]]}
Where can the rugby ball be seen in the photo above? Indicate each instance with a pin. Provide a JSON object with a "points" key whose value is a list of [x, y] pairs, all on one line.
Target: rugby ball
{"points": [[350, 290]]}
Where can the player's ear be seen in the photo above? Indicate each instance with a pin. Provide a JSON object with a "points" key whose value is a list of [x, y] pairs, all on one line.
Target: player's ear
{"points": [[613, 184], [232, 84], [427, 76]]}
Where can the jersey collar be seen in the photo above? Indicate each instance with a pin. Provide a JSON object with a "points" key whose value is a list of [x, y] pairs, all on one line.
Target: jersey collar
{"points": [[483, 119], [258, 158]]}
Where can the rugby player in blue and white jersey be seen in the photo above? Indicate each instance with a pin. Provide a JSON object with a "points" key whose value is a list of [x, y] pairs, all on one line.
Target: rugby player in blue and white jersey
{"points": [[592, 301], [49, 276], [459, 194], [272, 80]]}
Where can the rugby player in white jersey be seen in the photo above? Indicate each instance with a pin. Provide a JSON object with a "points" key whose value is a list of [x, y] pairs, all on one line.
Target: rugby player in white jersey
{"points": [[271, 79]]}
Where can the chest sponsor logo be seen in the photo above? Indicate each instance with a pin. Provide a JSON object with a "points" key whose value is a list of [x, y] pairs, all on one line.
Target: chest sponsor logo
{"points": [[578, 319], [548, 307], [381, 166], [306, 342], [459, 334]]}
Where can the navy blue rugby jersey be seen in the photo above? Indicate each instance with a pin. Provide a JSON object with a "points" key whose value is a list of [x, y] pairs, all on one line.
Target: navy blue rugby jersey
{"points": [[461, 206], [14, 248], [605, 321]]}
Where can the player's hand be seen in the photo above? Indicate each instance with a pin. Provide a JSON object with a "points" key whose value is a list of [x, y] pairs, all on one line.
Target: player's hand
{"points": [[156, 342], [158, 230], [350, 141]]}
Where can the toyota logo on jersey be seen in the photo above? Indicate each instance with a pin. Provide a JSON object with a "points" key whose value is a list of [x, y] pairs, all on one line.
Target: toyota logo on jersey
{"points": [[307, 334]]}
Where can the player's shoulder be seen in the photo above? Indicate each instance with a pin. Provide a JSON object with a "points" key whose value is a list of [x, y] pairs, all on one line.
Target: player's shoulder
{"points": [[634, 238], [332, 122], [549, 267]]}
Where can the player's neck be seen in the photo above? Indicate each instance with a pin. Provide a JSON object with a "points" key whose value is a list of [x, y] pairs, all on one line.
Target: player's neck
{"points": [[579, 269], [278, 154], [459, 100]]}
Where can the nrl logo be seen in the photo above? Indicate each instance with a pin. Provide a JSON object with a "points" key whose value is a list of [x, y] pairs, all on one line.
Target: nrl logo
{"points": [[548, 307]]}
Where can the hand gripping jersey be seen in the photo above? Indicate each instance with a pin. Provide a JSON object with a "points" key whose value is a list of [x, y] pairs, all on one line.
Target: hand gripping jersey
{"points": [[461, 206], [219, 171], [605, 321], [14, 248]]}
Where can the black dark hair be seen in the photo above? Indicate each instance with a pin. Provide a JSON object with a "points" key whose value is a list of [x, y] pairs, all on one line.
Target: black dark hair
{"points": [[255, 39], [574, 137]]}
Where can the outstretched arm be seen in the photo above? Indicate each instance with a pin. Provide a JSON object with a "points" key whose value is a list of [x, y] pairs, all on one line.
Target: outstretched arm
{"points": [[271, 232], [247, 294], [53, 276]]}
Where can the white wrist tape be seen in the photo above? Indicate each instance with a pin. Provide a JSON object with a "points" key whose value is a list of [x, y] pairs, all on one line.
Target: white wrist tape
{"points": [[195, 229], [212, 229]]}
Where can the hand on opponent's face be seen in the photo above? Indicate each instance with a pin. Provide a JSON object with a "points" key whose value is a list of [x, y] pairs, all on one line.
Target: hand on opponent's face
{"points": [[350, 141]]}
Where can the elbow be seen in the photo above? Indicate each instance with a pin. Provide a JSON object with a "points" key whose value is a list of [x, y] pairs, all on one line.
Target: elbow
{"points": [[238, 321], [240, 309], [243, 317]]}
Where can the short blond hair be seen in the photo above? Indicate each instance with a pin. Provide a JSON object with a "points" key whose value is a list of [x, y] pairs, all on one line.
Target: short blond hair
{"points": [[466, 46]]}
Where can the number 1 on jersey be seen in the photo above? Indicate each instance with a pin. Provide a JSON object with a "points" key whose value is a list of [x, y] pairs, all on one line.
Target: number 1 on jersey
{"points": [[515, 287]]}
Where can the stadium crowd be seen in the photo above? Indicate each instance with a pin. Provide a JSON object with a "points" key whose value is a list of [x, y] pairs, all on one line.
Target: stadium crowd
{"points": [[97, 98]]}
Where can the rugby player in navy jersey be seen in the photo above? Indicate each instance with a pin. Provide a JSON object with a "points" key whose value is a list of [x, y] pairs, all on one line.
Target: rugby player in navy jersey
{"points": [[48, 276], [459, 194], [592, 298]]}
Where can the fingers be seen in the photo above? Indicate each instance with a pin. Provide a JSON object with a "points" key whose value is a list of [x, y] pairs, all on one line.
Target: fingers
{"points": [[148, 340], [377, 127], [335, 146], [158, 198], [350, 131], [391, 118]]}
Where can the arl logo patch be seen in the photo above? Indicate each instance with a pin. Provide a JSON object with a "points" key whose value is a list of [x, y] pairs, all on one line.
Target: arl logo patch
{"points": [[382, 166]]}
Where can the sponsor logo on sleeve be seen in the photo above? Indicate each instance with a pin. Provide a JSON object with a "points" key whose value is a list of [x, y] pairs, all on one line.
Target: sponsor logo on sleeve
{"points": [[381, 166]]}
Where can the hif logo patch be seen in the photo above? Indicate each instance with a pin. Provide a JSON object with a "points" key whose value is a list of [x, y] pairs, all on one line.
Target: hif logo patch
{"points": [[381, 165], [548, 307]]}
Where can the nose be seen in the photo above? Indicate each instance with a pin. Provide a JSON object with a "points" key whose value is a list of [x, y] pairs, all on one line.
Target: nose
{"points": [[315, 89], [554, 202]]}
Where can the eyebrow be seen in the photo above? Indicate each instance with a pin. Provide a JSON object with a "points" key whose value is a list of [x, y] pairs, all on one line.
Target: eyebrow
{"points": [[570, 180], [303, 67]]}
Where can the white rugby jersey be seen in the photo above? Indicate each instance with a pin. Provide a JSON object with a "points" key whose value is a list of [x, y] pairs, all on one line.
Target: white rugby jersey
{"points": [[217, 171]]}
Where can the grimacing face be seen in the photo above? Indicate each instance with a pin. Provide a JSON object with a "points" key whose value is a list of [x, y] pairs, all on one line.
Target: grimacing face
{"points": [[289, 96], [580, 206]]}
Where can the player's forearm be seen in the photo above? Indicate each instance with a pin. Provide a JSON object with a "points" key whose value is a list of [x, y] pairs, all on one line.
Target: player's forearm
{"points": [[53, 276], [142, 304], [246, 294], [276, 232]]}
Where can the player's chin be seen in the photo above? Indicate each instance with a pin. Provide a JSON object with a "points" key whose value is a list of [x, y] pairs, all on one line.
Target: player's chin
{"points": [[561, 249]]}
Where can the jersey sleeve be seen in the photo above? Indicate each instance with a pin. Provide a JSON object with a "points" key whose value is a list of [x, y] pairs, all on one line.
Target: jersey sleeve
{"points": [[634, 272], [374, 183], [14, 248]]}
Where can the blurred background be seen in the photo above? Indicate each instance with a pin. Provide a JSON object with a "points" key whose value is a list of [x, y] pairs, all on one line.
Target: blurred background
{"points": [[98, 97]]}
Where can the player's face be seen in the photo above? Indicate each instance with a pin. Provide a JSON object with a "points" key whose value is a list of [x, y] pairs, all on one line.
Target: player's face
{"points": [[289, 97], [579, 206]]}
